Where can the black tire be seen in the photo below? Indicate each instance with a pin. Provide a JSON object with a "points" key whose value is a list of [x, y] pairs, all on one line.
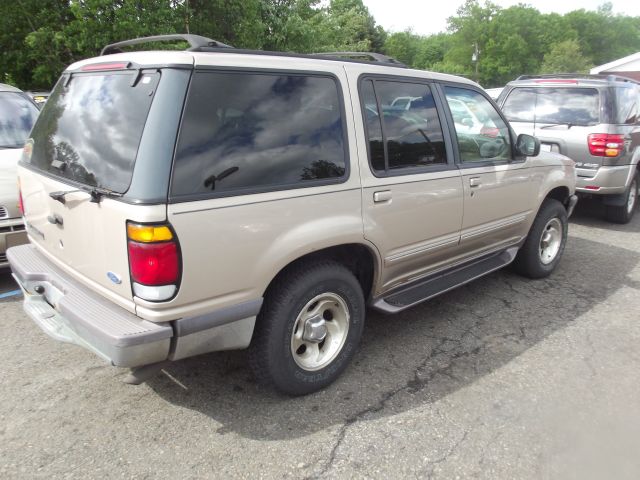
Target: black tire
{"points": [[624, 213], [271, 353], [528, 261]]}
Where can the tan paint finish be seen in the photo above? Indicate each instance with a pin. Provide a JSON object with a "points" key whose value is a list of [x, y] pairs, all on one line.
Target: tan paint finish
{"points": [[497, 207], [233, 247], [92, 240]]}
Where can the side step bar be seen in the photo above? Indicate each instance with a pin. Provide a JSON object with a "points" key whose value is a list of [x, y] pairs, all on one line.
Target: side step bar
{"points": [[421, 290]]}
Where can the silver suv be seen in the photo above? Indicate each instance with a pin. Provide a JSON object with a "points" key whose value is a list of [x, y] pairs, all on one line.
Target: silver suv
{"points": [[595, 120], [181, 203]]}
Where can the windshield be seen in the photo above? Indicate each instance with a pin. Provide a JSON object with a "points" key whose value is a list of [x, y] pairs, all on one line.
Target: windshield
{"points": [[557, 105], [17, 115], [90, 128]]}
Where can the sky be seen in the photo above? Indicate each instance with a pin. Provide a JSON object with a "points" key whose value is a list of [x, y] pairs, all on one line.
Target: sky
{"points": [[426, 17]]}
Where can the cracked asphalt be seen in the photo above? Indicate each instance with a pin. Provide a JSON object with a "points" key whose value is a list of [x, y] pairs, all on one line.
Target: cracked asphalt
{"points": [[502, 378]]}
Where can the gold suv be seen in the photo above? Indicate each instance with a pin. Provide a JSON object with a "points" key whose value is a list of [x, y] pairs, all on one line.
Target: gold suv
{"points": [[180, 203]]}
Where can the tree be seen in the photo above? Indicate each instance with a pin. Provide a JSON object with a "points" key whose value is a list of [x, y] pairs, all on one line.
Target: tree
{"points": [[471, 32], [24, 63], [566, 57]]}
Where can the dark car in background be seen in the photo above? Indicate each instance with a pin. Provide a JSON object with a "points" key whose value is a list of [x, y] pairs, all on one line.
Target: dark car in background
{"points": [[595, 120]]}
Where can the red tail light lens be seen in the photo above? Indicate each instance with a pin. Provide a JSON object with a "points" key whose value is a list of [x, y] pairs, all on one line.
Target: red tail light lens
{"points": [[154, 264], [491, 132], [154, 260], [605, 145], [20, 201]]}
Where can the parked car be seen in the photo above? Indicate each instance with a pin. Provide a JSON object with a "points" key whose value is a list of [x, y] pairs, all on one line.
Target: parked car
{"points": [[17, 115], [595, 120], [186, 202]]}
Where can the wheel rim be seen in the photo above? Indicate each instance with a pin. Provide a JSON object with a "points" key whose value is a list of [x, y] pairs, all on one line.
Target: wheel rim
{"points": [[320, 331], [633, 194], [550, 241]]}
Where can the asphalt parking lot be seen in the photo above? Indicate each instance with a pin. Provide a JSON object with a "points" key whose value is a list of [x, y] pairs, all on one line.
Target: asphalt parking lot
{"points": [[502, 378]]}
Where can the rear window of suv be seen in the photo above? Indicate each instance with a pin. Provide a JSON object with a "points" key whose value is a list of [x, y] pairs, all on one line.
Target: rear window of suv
{"points": [[249, 132], [90, 128], [562, 105]]}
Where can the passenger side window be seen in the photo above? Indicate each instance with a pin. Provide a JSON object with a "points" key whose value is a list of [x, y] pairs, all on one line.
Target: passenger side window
{"points": [[402, 126], [251, 132], [482, 134]]}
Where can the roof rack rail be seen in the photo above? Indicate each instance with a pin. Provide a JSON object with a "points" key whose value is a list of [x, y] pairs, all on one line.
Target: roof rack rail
{"points": [[585, 76], [378, 57], [196, 42]]}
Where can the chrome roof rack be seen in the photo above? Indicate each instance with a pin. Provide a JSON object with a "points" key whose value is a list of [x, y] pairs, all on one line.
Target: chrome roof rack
{"points": [[376, 57], [196, 42], [584, 76]]}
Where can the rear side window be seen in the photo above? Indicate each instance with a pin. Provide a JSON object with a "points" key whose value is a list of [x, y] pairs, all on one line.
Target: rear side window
{"points": [[17, 115], [250, 132], [403, 127], [562, 105], [90, 128], [626, 99]]}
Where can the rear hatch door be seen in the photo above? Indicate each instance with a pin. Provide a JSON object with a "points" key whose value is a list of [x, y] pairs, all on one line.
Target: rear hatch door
{"points": [[560, 116], [78, 165]]}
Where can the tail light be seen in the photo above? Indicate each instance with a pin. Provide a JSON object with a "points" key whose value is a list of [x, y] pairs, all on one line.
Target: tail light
{"points": [[491, 132], [154, 261], [605, 145], [20, 201]]}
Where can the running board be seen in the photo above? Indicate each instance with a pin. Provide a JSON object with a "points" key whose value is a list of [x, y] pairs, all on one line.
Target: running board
{"points": [[426, 288]]}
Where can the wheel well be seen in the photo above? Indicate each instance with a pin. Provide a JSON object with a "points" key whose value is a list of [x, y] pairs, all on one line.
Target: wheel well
{"points": [[357, 258], [559, 193]]}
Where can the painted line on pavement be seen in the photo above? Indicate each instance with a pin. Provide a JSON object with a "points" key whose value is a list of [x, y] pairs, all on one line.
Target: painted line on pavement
{"points": [[12, 293]]}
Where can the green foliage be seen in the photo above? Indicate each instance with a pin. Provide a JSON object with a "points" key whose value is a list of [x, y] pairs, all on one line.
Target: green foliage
{"points": [[39, 38], [566, 57]]}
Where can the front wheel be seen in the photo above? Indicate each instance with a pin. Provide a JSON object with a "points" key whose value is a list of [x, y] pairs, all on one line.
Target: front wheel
{"points": [[309, 328], [624, 213], [543, 248]]}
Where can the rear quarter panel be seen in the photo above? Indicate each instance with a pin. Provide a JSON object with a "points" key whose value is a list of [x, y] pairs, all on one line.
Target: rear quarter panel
{"points": [[233, 247]]}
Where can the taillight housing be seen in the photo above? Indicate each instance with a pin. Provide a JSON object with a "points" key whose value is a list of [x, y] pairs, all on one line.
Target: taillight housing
{"points": [[154, 261], [605, 144], [20, 201]]}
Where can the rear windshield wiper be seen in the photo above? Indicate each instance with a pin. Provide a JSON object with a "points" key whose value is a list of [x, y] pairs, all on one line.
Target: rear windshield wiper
{"points": [[96, 194]]}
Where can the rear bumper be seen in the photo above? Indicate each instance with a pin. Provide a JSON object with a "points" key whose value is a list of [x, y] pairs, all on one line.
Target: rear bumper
{"points": [[604, 180], [12, 233], [69, 312]]}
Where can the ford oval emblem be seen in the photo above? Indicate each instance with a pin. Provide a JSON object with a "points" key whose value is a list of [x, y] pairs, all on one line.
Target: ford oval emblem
{"points": [[114, 278]]}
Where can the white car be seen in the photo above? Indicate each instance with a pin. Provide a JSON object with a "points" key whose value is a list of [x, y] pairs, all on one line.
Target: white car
{"points": [[17, 115]]}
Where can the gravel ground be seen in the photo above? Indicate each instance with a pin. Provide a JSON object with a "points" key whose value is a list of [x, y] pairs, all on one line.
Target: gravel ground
{"points": [[502, 378]]}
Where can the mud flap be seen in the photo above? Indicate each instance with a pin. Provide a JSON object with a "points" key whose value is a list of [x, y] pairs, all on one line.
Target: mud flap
{"points": [[615, 200]]}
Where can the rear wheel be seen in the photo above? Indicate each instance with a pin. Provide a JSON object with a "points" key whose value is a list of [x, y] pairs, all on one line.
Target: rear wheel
{"points": [[624, 213], [309, 328], [545, 243]]}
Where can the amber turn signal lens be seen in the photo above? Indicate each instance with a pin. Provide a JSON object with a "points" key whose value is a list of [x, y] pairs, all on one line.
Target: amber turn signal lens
{"points": [[148, 233]]}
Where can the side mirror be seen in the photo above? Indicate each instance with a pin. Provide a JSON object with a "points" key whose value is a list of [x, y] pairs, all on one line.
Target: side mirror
{"points": [[528, 145]]}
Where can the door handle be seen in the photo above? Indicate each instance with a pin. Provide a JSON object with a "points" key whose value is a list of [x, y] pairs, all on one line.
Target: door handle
{"points": [[474, 182], [383, 196]]}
